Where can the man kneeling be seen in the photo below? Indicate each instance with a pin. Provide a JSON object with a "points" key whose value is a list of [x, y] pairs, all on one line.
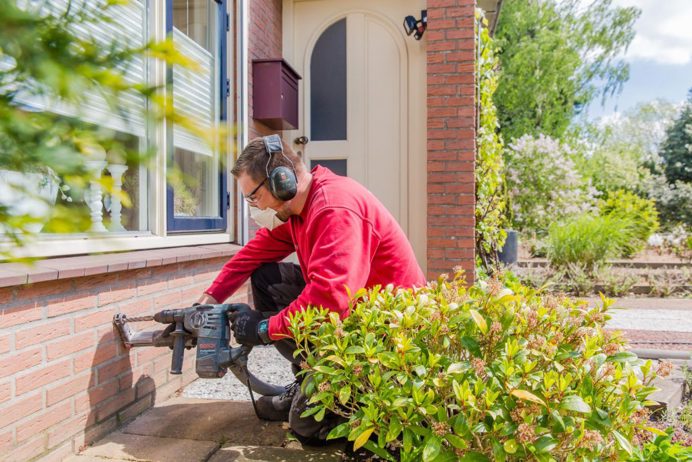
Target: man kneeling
{"points": [[343, 237]]}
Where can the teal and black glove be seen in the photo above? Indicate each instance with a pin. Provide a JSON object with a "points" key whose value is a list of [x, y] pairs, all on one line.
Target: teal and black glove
{"points": [[249, 326]]}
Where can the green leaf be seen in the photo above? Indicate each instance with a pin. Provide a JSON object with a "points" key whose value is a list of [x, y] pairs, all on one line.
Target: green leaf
{"points": [[394, 429], [456, 368], [363, 438], [622, 441], [471, 345], [510, 446], [474, 456], [339, 431], [372, 447], [576, 404], [545, 444], [456, 441], [480, 321], [344, 394], [431, 449], [527, 396], [354, 350]]}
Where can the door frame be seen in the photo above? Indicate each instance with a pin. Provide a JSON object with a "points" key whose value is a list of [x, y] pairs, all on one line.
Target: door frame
{"points": [[414, 159]]}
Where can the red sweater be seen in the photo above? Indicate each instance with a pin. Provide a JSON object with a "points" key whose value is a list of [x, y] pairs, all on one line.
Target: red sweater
{"points": [[344, 237]]}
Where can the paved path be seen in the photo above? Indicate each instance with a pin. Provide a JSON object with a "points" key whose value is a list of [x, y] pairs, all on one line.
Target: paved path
{"points": [[195, 430]]}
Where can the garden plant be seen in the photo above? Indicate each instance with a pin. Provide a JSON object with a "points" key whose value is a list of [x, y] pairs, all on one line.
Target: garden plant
{"points": [[447, 372]]}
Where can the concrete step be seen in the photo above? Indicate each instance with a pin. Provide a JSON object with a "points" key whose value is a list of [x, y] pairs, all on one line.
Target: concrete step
{"points": [[192, 430]]}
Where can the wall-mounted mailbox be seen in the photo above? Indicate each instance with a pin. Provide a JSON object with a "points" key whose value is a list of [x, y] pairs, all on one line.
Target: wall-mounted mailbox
{"points": [[275, 93]]}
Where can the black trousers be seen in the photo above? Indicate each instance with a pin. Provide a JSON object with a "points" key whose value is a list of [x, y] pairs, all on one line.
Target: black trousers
{"points": [[274, 287]]}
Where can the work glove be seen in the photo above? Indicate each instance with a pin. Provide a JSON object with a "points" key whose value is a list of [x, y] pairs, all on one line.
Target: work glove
{"points": [[249, 326]]}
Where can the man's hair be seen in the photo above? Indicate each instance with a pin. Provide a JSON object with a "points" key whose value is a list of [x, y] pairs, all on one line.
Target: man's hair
{"points": [[253, 160]]}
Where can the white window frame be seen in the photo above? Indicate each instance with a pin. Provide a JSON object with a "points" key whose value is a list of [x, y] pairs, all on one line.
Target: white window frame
{"points": [[156, 236]]}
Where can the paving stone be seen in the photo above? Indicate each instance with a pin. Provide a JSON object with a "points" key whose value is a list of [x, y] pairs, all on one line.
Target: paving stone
{"points": [[231, 422], [268, 454], [669, 395], [148, 448]]}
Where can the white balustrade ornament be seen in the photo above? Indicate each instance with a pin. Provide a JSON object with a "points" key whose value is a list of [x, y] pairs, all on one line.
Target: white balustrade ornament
{"points": [[117, 171], [94, 195]]}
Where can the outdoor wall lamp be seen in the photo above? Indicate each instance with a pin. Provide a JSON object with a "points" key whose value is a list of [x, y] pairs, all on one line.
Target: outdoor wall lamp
{"points": [[416, 26]]}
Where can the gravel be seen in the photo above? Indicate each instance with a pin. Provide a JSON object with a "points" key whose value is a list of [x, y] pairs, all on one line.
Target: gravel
{"points": [[265, 362]]}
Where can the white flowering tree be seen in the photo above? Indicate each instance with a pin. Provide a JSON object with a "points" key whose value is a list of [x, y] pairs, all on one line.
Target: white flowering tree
{"points": [[544, 183]]}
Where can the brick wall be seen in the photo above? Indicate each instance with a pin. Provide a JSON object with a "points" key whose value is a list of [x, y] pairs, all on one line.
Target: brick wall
{"points": [[65, 378], [451, 136], [264, 43]]}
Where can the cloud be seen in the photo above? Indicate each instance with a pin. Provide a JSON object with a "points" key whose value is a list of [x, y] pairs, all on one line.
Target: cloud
{"points": [[664, 31]]}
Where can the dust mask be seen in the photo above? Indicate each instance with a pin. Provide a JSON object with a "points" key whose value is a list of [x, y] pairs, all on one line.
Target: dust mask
{"points": [[265, 218]]}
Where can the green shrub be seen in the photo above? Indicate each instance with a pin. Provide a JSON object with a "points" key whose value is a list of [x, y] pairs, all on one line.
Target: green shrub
{"points": [[641, 212], [588, 240], [449, 373], [662, 449]]}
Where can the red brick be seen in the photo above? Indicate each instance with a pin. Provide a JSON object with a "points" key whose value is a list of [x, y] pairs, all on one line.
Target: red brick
{"points": [[445, 45], [439, 24], [103, 392], [71, 304], [135, 409], [24, 314], [154, 288], [117, 295], [42, 333], [5, 341], [139, 307], [70, 345], [57, 454], [94, 433], [6, 294], [19, 409], [112, 370], [68, 389], [16, 362], [460, 33], [104, 352], [167, 301], [36, 379], [44, 289], [115, 404], [39, 423], [27, 451], [434, 68], [5, 441], [67, 429], [5, 392], [91, 320], [147, 355]]}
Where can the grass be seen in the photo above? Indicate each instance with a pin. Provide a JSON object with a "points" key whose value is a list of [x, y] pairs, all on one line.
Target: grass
{"points": [[588, 240]]}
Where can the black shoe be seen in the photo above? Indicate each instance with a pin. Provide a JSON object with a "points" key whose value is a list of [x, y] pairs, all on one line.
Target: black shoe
{"points": [[276, 408]]}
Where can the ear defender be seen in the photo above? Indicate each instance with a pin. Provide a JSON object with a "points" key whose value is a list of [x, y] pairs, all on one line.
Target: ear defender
{"points": [[282, 180]]}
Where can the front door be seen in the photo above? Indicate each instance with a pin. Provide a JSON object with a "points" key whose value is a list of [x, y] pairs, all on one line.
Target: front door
{"points": [[363, 105]]}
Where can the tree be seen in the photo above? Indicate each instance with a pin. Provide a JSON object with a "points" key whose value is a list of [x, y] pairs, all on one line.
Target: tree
{"points": [[676, 152], [556, 57], [618, 154]]}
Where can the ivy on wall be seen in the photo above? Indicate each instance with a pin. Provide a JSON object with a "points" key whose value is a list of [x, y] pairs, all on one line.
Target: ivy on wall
{"points": [[490, 191]]}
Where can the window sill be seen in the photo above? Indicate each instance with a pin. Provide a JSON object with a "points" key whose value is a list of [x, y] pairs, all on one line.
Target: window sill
{"points": [[14, 274]]}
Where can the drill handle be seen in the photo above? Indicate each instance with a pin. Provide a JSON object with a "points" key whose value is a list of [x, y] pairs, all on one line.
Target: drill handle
{"points": [[178, 348]]}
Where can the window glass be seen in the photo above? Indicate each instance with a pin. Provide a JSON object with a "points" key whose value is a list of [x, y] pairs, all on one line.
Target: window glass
{"points": [[337, 166], [328, 85], [195, 182]]}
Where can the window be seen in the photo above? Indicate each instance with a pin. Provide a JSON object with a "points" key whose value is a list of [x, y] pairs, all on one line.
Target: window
{"points": [[197, 195], [194, 198]]}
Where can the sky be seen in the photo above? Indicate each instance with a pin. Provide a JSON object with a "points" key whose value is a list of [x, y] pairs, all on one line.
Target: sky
{"points": [[660, 56]]}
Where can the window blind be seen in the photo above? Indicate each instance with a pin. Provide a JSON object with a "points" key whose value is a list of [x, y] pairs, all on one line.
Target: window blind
{"points": [[193, 93], [126, 28]]}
